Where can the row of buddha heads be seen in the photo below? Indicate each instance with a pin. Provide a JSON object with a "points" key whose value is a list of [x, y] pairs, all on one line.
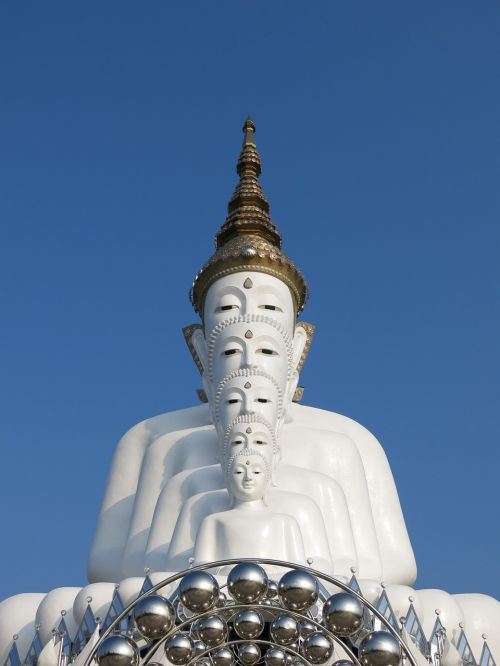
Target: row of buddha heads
{"points": [[249, 351]]}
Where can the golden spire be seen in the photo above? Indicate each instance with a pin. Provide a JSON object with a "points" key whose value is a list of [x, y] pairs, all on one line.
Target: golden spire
{"points": [[248, 240]]}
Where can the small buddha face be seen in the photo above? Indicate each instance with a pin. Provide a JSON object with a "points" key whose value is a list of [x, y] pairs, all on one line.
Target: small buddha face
{"points": [[249, 293], [254, 434], [248, 477], [252, 394], [256, 345]]}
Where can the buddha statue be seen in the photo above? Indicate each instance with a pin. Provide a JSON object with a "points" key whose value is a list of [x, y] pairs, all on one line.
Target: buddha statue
{"points": [[180, 486]]}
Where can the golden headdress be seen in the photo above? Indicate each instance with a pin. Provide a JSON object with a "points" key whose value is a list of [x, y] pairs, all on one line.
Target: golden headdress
{"points": [[248, 240]]}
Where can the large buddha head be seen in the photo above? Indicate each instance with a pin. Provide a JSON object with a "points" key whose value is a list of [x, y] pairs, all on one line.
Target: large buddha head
{"points": [[249, 348]]}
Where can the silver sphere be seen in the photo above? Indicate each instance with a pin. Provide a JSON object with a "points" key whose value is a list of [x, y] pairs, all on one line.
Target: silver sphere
{"points": [[343, 662], [272, 589], [249, 624], [249, 654], [317, 648], [275, 657], [221, 600], [284, 629], [179, 649], [199, 647], [307, 628], [247, 582], [198, 591], [154, 616], [343, 614], [212, 630], [116, 650], [223, 657], [298, 590], [203, 662], [379, 648]]}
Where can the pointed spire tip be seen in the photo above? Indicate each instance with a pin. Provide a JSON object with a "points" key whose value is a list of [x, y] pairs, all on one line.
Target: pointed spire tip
{"points": [[248, 131]]}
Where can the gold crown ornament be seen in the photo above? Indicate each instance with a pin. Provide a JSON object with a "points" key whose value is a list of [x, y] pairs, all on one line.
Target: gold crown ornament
{"points": [[248, 240]]}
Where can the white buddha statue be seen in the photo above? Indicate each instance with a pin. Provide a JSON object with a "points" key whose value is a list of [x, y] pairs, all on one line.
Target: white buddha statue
{"points": [[248, 295]]}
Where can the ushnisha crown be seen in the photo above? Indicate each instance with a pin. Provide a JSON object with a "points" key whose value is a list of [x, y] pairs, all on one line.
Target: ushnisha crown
{"points": [[248, 240]]}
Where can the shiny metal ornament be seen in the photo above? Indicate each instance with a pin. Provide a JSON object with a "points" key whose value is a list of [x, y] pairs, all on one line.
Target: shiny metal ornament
{"points": [[221, 600], [343, 614], [212, 630], [249, 624], [284, 629], [379, 648], [247, 582], [307, 628], [249, 654], [116, 650], [223, 657], [275, 657], [199, 647], [198, 591], [272, 589], [343, 662], [203, 662], [317, 648], [154, 616], [298, 590], [179, 649]]}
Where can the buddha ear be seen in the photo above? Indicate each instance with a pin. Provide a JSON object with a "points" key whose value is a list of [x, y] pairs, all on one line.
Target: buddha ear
{"points": [[302, 328], [199, 347], [298, 346]]}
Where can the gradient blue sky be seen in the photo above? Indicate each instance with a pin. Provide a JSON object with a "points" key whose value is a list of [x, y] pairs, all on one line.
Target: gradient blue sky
{"points": [[378, 127]]}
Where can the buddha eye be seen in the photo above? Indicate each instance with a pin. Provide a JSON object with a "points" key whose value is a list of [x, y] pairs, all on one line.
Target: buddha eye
{"points": [[269, 352], [270, 307], [230, 352], [259, 441], [263, 400], [237, 441], [224, 308], [233, 401]]}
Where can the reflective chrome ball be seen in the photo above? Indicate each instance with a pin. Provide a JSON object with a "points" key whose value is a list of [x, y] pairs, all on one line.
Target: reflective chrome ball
{"points": [[272, 589], [179, 649], [117, 650], [249, 624], [317, 648], [221, 600], [199, 647], [307, 628], [212, 630], [249, 654], [284, 629], [343, 614], [223, 657], [379, 648], [275, 657], [343, 662], [203, 662], [247, 582], [154, 616], [298, 590], [198, 591]]}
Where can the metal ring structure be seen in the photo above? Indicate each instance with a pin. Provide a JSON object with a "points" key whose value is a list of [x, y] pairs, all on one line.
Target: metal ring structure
{"points": [[251, 560]]}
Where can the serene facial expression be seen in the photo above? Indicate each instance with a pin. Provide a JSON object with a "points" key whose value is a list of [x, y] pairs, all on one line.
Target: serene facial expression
{"points": [[228, 297], [252, 394], [247, 478], [250, 345], [249, 435]]}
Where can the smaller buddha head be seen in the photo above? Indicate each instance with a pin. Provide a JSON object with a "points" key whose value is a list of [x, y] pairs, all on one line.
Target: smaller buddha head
{"points": [[248, 476], [250, 431]]}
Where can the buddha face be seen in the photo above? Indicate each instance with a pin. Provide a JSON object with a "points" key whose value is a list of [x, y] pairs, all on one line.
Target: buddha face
{"points": [[246, 433], [248, 393], [248, 293], [247, 477]]}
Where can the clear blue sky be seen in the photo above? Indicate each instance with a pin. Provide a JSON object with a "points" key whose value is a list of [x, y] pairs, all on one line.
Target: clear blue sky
{"points": [[378, 127]]}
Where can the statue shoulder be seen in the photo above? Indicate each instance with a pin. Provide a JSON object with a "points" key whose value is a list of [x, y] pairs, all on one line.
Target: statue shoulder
{"points": [[324, 420], [190, 418]]}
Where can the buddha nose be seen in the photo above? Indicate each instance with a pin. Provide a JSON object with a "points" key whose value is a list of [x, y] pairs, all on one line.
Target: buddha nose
{"points": [[249, 358], [248, 404]]}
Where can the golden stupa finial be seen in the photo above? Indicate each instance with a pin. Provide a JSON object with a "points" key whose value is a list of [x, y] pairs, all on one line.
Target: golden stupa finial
{"points": [[248, 239]]}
